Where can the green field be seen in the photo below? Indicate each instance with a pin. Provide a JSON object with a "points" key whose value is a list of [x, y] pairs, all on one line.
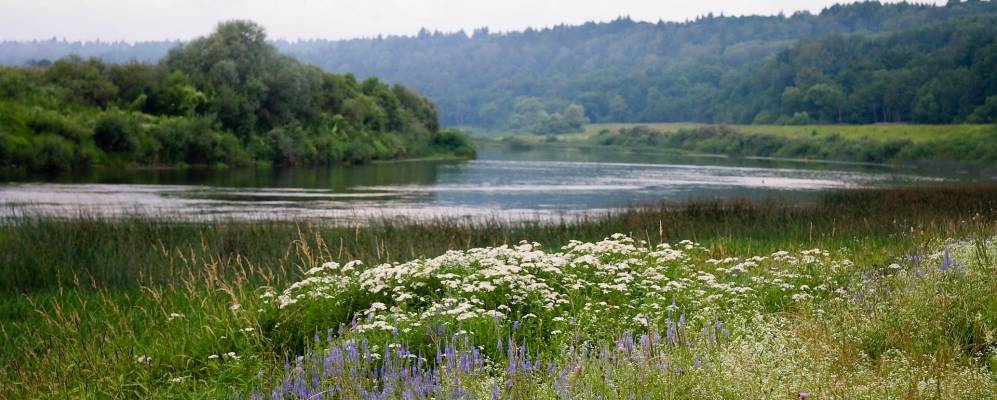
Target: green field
{"points": [[881, 144], [916, 133], [896, 304]]}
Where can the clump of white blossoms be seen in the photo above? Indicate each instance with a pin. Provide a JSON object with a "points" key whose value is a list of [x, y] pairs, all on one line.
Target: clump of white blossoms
{"points": [[616, 283]]}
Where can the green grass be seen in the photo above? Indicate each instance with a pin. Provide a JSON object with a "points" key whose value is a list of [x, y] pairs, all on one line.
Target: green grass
{"points": [[913, 132], [85, 299], [878, 144]]}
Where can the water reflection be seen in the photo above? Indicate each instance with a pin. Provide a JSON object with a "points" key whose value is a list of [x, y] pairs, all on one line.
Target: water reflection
{"points": [[547, 182]]}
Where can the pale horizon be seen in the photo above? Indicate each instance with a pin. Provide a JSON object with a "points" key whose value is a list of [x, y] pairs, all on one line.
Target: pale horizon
{"points": [[156, 20]]}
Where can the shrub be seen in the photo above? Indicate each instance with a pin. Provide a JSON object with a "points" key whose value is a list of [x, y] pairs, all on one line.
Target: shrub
{"points": [[215, 148], [6, 150], [53, 153], [115, 132], [43, 121], [329, 149], [454, 142]]}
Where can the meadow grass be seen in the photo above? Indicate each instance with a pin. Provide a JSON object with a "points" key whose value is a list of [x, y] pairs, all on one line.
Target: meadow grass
{"points": [[884, 132], [913, 132], [876, 144], [138, 308]]}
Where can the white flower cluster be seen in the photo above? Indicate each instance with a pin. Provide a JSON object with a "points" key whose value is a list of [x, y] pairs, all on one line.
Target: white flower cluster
{"points": [[618, 280]]}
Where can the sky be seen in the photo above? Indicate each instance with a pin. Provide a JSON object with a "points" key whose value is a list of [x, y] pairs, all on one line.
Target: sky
{"points": [[139, 20]]}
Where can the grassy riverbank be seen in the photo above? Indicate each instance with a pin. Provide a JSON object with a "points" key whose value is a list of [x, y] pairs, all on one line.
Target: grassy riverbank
{"points": [[888, 143], [139, 308]]}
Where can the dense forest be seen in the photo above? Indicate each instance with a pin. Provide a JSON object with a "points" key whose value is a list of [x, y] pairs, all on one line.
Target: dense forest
{"points": [[941, 73], [629, 71], [226, 99], [865, 62]]}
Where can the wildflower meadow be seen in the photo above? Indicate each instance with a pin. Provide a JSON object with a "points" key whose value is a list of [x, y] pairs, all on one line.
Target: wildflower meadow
{"points": [[734, 300]]}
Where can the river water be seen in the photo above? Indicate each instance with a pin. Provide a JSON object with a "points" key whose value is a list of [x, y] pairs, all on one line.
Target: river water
{"points": [[505, 184]]}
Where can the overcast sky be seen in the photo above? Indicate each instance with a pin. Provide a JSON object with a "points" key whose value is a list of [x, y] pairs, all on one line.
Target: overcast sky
{"points": [[136, 20]]}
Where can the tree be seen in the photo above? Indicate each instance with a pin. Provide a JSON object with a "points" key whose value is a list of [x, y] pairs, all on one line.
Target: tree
{"points": [[178, 96], [575, 116], [84, 81], [986, 113], [825, 102]]}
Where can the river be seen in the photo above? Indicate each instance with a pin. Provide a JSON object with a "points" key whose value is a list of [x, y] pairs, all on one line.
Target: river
{"points": [[548, 183]]}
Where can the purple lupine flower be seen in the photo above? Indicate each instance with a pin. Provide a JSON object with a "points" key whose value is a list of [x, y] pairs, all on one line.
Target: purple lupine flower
{"points": [[671, 332], [946, 260]]}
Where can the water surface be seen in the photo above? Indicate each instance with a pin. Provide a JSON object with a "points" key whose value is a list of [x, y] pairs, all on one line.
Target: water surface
{"points": [[541, 183]]}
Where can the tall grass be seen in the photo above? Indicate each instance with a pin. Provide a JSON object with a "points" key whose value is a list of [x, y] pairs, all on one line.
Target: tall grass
{"points": [[39, 253], [139, 308], [883, 132]]}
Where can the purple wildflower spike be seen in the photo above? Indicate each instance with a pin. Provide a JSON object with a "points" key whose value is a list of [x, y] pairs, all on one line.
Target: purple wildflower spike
{"points": [[946, 260]]}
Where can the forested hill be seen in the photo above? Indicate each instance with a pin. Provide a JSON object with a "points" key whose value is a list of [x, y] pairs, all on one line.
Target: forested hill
{"points": [[229, 98], [621, 71], [713, 69], [941, 73]]}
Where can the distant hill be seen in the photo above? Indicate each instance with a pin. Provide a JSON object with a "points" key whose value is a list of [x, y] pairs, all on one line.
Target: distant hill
{"points": [[712, 69]]}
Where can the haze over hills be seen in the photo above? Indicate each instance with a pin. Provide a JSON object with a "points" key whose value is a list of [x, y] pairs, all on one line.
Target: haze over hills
{"points": [[888, 62]]}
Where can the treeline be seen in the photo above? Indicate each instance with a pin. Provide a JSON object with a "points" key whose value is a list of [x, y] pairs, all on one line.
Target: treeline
{"points": [[226, 99], [942, 73], [858, 63], [628, 71], [750, 142]]}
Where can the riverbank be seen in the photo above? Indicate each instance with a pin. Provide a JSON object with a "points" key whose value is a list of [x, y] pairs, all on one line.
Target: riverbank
{"points": [[170, 309], [862, 144]]}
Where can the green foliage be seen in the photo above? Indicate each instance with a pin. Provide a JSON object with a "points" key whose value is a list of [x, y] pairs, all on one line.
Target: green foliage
{"points": [[856, 63], [986, 113], [454, 142], [177, 96], [533, 116], [84, 82], [6, 150], [48, 121], [226, 99], [116, 133], [860, 62], [937, 73], [52, 153]]}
